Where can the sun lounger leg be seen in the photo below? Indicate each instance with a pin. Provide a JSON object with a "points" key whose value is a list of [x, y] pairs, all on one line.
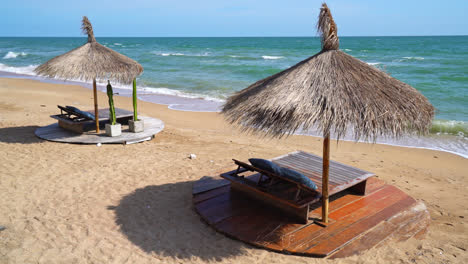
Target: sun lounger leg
{"points": [[359, 188]]}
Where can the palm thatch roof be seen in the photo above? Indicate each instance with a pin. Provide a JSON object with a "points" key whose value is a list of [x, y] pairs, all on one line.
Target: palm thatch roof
{"points": [[91, 61], [331, 91]]}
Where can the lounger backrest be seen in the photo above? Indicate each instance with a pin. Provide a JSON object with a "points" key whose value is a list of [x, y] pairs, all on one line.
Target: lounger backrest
{"points": [[269, 174], [77, 112]]}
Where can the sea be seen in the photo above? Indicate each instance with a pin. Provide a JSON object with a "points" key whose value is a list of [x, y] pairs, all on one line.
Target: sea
{"points": [[199, 73]]}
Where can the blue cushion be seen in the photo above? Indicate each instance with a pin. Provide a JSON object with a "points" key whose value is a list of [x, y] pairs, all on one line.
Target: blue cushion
{"points": [[297, 177], [83, 113], [266, 165]]}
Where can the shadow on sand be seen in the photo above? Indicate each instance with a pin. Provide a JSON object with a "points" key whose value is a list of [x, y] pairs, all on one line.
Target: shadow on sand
{"points": [[22, 134], [161, 219]]}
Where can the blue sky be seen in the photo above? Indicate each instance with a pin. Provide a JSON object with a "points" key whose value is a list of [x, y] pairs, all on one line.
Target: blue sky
{"points": [[154, 18]]}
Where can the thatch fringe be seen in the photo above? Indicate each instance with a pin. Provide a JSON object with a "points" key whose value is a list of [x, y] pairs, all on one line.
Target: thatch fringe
{"points": [[333, 92], [327, 29], [87, 29], [91, 61]]}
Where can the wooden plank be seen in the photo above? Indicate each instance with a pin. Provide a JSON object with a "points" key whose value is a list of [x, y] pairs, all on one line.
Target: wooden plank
{"points": [[383, 197], [348, 215], [300, 213], [207, 183], [256, 226], [224, 206], [405, 223], [200, 197], [314, 164], [337, 240], [252, 188], [336, 165]]}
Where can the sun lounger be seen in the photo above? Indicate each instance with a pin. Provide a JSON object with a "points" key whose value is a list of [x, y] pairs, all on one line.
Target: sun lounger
{"points": [[74, 114], [290, 196], [76, 120]]}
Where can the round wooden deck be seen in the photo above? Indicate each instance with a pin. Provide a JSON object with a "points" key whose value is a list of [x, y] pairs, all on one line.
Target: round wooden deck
{"points": [[57, 134], [357, 222]]}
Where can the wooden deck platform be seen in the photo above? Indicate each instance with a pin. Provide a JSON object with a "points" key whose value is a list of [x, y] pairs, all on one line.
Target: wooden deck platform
{"points": [[357, 222], [55, 133]]}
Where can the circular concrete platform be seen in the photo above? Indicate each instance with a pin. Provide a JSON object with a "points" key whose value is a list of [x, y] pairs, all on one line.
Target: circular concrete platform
{"points": [[57, 134]]}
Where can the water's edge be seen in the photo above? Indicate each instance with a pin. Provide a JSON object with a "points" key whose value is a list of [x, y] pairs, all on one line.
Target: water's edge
{"points": [[446, 143]]}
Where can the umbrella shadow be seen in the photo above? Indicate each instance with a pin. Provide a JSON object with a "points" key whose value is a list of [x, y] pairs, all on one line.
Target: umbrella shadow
{"points": [[160, 219], [21, 134]]}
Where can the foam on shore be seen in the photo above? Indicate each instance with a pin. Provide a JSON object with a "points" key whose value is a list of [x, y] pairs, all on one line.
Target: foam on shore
{"points": [[448, 136]]}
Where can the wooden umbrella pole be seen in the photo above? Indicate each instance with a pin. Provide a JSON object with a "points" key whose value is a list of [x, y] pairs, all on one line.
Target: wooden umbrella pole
{"points": [[96, 111], [325, 170]]}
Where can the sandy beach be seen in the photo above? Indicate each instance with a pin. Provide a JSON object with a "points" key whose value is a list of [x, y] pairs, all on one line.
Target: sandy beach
{"points": [[63, 203]]}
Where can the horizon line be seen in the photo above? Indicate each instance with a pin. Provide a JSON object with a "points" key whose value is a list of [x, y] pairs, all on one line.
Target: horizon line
{"points": [[456, 35]]}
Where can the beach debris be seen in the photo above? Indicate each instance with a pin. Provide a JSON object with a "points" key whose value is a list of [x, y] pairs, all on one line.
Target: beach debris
{"points": [[43, 105], [2, 228], [192, 156], [99, 144]]}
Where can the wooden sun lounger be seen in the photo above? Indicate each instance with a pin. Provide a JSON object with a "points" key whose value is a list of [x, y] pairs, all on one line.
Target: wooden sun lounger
{"points": [[291, 197], [75, 122]]}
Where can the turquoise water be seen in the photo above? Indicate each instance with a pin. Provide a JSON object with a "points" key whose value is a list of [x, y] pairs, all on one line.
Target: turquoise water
{"points": [[214, 68]]}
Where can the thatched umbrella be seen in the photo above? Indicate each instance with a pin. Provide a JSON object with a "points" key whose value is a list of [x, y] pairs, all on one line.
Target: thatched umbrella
{"points": [[331, 91], [90, 62]]}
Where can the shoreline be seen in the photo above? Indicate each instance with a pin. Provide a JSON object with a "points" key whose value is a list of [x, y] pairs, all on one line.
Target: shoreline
{"points": [[133, 203], [457, 145]]}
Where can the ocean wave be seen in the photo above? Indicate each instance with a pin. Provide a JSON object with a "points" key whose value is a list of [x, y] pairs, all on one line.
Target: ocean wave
{"points": [[170, 54], [165, 54], [29, 70], [450, 127], [373, 63], [172, 92], [272, 57], [118, 44], [12, 55], [413, 58], [348, 50]]}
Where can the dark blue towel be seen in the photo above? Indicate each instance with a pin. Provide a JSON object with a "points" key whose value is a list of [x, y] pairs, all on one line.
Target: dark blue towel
{"points": [[266, 165], [297, 177], [83, 113]]}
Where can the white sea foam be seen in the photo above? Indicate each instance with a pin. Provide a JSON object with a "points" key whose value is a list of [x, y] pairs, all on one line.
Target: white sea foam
{"points": [[373, 63], [12, 55], [272, 57], [168, 91], [413, 58], [29, 70], [118, 44], [348, 50], [170, 54]]}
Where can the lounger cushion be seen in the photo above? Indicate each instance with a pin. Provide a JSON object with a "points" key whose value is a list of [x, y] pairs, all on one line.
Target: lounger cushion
{"points": [[297, 177], [266, 165], [83, 113]]}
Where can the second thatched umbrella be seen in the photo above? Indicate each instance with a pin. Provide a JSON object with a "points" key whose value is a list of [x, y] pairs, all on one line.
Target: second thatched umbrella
{"points": [[331, 91], [90, 62]]}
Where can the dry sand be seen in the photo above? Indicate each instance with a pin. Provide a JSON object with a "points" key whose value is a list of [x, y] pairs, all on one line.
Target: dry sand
{"points": [[63, 203]]}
